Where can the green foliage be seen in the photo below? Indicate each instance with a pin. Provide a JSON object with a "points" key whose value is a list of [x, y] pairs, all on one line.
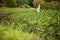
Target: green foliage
{"points": [[52, 0], [23, 2], [50, 5], [10, 3], [13, 34], [45, 24]]}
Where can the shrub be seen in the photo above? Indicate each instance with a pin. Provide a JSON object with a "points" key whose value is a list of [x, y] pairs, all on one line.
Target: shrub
{"points": [[51, 5], [45, 24], [23, 3], [45, 27], [10, 3], [52, 0]]}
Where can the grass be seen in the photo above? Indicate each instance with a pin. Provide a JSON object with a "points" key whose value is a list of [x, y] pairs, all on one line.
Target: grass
{"points": [[26, 24], [11, 34]]}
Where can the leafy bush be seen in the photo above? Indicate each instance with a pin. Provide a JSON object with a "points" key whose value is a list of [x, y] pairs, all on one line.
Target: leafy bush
{"points": [[55, 5], [23, 3], [10, 3], [51, 5], [45, 24], [52, 0]]}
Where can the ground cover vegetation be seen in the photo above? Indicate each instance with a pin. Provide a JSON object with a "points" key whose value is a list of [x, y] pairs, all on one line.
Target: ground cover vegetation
{"points": [[19, 20], [45, 24]]}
